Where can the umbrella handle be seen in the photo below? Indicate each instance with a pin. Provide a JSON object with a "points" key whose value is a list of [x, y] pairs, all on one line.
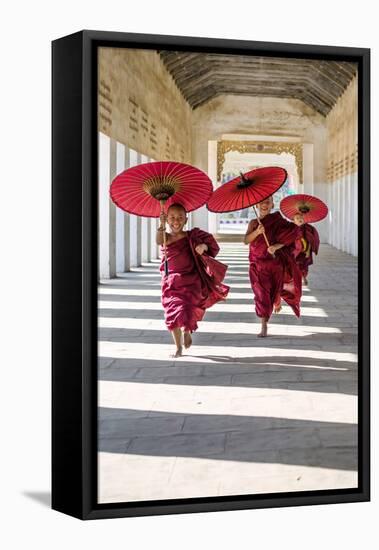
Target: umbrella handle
{"points": [[164, 242], [264, 234]]}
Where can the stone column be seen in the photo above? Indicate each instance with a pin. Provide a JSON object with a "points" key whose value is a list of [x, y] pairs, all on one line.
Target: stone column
{"points": [[189, 222], [341, 213], [153, 246], [104, 162], [354, 201], [320, 181], [126, 222], [149, 234], [112, 210], [107, 209], [133, 220], [334, 211], [212, 173], [120, 215], [139, 227], [308, 170], [345, 217]]}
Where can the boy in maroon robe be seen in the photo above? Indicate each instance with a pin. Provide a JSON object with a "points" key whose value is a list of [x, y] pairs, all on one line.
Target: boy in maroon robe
{"points": [[187, 290], [273, 271], [307, 244]]}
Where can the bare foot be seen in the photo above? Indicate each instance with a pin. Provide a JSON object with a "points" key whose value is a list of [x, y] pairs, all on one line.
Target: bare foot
{"points": [[187, 340], [263, 332], [178, 353], [277, 308]]}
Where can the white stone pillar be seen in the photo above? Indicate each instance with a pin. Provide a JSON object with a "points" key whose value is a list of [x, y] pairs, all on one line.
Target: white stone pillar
{"points": [[126, 221], [120, 215], [329, 218], [189, 220], [149, 234], [348, 215], [133, 240], [145, 237], [153, 250], [308, 170], [133, 220], [153, 230], [107, 209], [104, 162], [355, 213], [112, 210], [333, 212], [338, 219], [212, 173], [321, 191], [200, 218], [348, 219], [343, 214], [352, 214], [139, 226]]}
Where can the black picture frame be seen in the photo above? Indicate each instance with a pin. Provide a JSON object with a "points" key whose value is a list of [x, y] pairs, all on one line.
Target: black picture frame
{"points": [[74, 273]]}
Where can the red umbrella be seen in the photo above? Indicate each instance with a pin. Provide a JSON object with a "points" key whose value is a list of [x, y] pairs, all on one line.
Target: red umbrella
{"points": [[247, 190], [147, 189], [312, 208], [142, 189]]}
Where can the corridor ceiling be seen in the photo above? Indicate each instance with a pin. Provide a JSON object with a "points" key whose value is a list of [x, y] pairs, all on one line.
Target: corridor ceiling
{"points": [[203, 76]]}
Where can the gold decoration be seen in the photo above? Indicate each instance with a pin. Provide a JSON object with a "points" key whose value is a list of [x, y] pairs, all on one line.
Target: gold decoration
{"points": [[277, 147]]}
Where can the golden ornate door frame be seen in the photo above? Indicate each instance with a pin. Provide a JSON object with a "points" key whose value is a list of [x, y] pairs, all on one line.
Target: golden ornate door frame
{"points": [[276, 147]]}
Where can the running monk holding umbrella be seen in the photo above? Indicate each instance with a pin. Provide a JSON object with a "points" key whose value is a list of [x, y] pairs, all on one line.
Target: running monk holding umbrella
{"points": [[191, 277], [271, 239], [304, 210]]}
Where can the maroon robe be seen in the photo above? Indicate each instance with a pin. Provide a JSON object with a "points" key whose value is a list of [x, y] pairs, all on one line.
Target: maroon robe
{"points": [[307, 244], [193, 284], [274, 277]]}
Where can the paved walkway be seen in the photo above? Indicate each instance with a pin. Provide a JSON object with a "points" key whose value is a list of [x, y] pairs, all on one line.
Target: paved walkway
{"points": [[237, 414]]}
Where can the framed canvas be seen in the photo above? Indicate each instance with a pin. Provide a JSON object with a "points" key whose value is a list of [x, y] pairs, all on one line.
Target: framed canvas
{"points": [[142, 423]]}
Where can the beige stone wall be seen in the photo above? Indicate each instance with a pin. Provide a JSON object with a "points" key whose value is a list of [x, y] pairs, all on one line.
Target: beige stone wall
{"points": [[342, 127], [141, 106], [257, 116], [342, 159]]}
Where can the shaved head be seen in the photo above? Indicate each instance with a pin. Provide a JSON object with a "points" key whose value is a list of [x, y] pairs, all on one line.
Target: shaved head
{"points": [[177, 206]]}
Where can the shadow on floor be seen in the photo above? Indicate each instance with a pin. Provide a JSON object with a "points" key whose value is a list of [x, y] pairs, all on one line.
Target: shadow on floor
{"points": [[229, 437], [287, 373]]}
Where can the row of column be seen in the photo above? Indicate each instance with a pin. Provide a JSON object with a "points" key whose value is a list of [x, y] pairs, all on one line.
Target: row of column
{"points": [[125, 240], [343, 213], [340, 228]]}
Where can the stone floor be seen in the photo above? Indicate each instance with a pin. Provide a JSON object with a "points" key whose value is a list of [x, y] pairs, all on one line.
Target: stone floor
{"points": [[236, 414]]}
